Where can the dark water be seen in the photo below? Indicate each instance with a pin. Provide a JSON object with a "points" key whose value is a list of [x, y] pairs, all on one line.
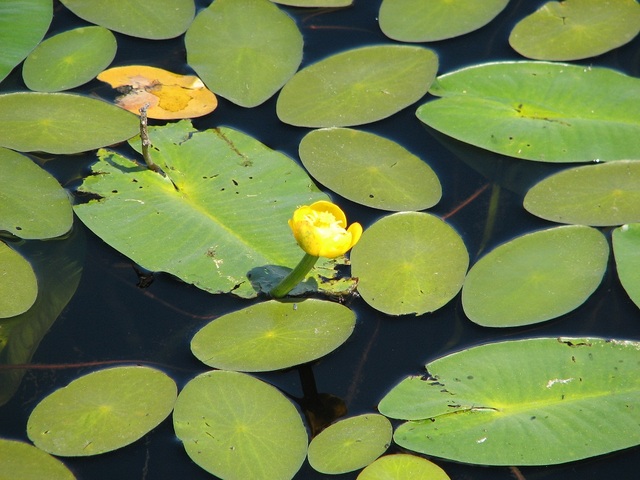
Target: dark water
{"points": [[110, 319]]}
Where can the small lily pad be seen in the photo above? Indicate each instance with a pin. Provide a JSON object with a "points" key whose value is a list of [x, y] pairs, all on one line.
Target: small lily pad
{"points": [[626, 249], [273, 335], [389, 177], [350, 444], [69, 59], [102, 411], [18, 283], [21, 461], [535, 277], [600, 195], [409, 262], [402, 467], [357, 86], [237, 427]]}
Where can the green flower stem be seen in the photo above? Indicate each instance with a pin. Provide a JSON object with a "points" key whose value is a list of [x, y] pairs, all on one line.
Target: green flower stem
{"points": [[295, 277]]}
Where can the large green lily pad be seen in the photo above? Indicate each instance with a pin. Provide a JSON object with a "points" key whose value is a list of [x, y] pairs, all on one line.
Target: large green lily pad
{"points": [[575, 29], [18, 283], [357, 86], [102, 411], [257, 49], [389, 176], [402, 467], [21, 461], [535, 277], [237, 427], [626, 248], [523, 109], [220, 212], [428, 21], [409, 262], [61, 122], [273, 335], [540, 401], [600, 195]]}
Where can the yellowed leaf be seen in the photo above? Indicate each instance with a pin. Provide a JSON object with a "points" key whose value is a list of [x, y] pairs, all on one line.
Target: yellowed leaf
{"points": [[169, 95]]}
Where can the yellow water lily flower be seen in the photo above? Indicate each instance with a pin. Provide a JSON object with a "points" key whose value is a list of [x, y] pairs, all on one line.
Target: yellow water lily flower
{"points": [[321, 230]]}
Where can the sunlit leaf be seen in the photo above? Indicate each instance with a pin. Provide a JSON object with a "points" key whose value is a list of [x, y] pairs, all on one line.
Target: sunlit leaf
{"points": [[237, 427], [244, 50], [21, 461], [350, 444], [389, 177], [69, 59], [626, 248], [538, 401], [32, 202], [428, 21], [409, 262], [402, 467], [535, 277], [61, 122], [357, 86], [600, 195], [575, 29], [18, 283], [102, 411], [273, 335], [168, 95], [315, 3], [524, 110], [156, 20], [23, 24]]}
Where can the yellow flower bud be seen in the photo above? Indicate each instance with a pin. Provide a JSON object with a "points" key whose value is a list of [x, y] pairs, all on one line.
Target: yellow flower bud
{"points": [[321, 230]]}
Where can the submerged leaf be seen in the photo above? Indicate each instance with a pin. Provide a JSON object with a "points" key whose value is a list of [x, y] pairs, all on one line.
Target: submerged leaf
{"points": [[18, 283], [626, 248]]}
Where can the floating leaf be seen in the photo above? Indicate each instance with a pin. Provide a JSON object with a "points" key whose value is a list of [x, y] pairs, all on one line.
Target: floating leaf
{"points": [[626, 248], [575, 29], [402, 467], [18, 283], [155, 20], [522, 109], [535, 277], [357, 86], [23, 24], [102, 411], [273, 335], [22, 461], [538, 401], [61, 122], [350, 444], [600, 195], [390, 178], [32, 202], [409, 262], [168, 95], [69, 59], [257, 49], [220, 212], [315, 3], [237, 427], [428, 21]]}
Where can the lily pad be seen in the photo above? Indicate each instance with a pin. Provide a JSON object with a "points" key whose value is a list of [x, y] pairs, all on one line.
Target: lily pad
{"points": [[600, 195], [18, 283], [350, 444], [357, 86], [402, 467], [237, 427], [389, 177], [315, 3], [32, 202], [157, 20], [69, 59], [23, 24], [220, 212], [535, 277], [102, 411], [22, 461], [273, 335], [257, 49], [61, 122], [540, 401], [575, 29], [409, 262], [626, 248], [522, 109], [428, 21]]}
